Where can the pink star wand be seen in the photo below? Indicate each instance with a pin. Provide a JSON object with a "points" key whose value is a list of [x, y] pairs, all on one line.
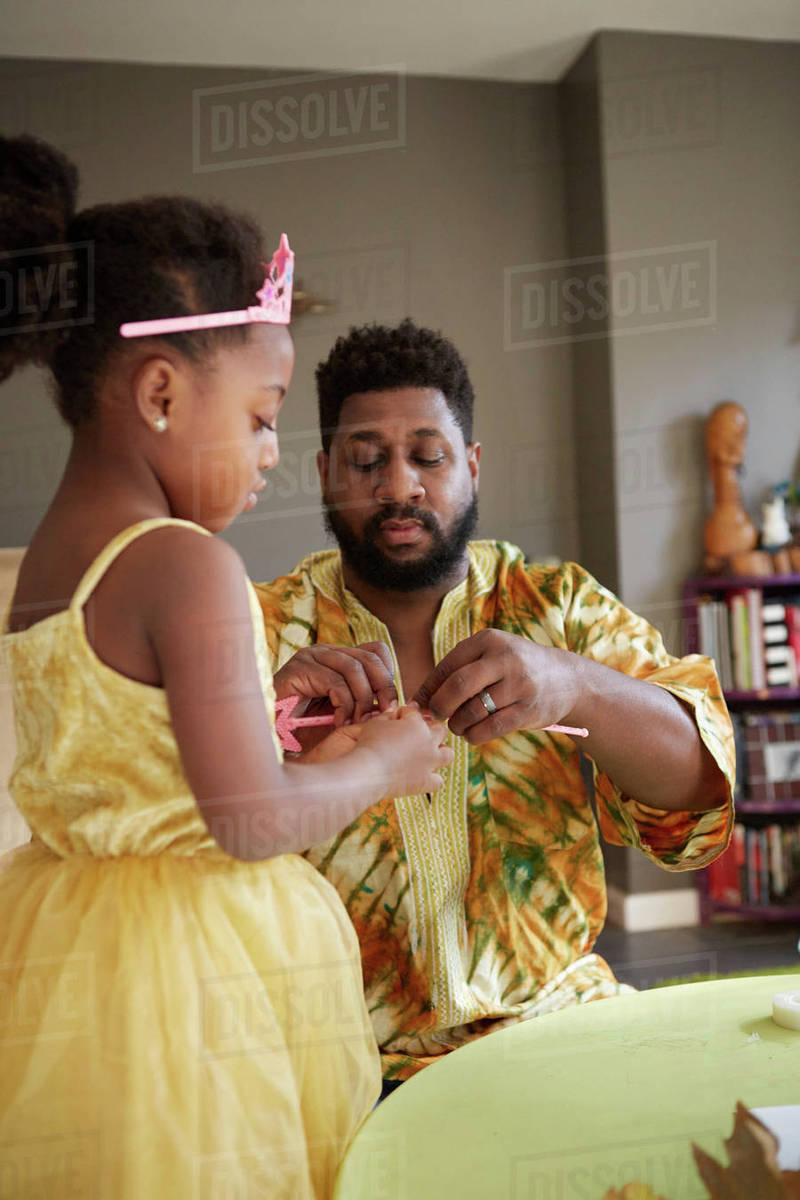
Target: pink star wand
{"points": [[285, 723]]}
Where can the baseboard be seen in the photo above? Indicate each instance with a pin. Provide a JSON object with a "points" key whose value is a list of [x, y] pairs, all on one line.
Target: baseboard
{"points": [[641, 911]]}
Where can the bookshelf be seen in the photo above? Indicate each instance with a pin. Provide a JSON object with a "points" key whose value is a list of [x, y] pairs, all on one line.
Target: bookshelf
{"points": [[759, 875]]}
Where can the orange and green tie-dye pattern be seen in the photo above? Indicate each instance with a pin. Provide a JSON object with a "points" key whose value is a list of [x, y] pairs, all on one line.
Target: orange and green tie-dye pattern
{"points": [[482, 907]]}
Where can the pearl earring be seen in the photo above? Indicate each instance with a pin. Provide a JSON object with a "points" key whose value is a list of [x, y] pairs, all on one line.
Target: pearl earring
{"points": [[160, 424]]}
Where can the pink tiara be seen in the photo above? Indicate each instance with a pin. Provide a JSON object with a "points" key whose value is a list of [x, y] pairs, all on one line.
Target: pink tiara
{"points": [[275, 307]]}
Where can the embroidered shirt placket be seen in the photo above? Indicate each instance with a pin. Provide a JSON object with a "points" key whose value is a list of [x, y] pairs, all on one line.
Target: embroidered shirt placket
{"points": [[435, 834]]}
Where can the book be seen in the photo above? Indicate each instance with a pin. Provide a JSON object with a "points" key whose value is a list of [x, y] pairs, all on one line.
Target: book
{"points": [[773, 611], [763, 867], [757, 629], [793, 632], [777, 861], [751, 844], [705, 626], [723, 877], [724, 659], [741, 642], [776, 634], [778, 656], [740, 787], [740, 855]]}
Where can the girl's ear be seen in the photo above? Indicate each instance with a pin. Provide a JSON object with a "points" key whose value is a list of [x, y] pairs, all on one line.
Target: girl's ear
{"points": [[160, 389]]}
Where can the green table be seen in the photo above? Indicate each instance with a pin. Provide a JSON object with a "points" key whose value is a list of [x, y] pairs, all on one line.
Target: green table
{"points": [[565, 1106]]}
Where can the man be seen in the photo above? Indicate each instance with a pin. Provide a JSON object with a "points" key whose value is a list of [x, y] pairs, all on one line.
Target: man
{"points": [[479, 906]]}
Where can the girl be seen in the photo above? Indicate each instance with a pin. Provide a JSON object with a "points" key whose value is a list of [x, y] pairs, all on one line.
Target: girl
{"points": [[181, 1011]]}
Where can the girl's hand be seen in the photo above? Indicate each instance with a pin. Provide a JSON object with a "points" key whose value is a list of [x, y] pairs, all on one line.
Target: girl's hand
{"points": [[332, 745], [410, 747]]}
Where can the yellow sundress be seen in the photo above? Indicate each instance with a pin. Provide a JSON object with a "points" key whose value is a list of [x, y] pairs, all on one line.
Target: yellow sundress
{"points": [[174, 1023]]}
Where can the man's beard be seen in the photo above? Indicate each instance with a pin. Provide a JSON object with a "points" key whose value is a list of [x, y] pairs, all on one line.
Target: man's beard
{"points": [[363, 555]]}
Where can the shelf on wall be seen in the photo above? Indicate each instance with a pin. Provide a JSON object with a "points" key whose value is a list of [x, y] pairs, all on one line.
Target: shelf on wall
{"points": [[720, 583], [779, 588], [757, 912], [753, 808], [771, 694]]}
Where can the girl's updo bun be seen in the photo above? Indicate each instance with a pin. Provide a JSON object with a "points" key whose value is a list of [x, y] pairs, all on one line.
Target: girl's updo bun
{"points": [[163, 256], [38, 189]]}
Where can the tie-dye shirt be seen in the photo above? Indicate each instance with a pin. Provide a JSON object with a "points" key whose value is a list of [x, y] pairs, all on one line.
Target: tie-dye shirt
{"points": [[481, 908]]}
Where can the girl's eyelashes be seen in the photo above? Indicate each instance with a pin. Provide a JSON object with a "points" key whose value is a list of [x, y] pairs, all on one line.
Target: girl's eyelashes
{"points": [[264, 425]]}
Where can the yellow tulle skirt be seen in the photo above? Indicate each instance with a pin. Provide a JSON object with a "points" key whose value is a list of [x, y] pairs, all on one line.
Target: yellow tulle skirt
{"points": [[177, 1027]]}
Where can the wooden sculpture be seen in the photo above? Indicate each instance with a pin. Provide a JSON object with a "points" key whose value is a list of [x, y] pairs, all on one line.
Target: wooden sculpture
{"points": [[730, 536]]}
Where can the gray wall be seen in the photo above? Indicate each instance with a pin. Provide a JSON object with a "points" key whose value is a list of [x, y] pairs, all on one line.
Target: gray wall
{"points": [[697, 161], [593, 402], [718, 168], [422, 229]]}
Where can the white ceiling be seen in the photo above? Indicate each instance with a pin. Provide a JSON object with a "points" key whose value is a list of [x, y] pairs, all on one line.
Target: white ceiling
{"points": [[490, 39]]}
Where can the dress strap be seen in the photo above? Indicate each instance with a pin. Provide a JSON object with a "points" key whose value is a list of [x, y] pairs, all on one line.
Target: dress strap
{"points": [[105, 558]]}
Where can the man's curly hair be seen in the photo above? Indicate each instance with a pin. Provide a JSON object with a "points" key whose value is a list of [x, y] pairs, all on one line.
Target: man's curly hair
{"points": [[377, 358]]}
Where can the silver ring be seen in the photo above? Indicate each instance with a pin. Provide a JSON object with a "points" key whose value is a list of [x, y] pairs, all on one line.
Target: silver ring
{"points": [[487, 702]]}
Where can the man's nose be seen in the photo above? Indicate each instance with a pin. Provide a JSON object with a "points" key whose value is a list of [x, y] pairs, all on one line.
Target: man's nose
{"points": [[398, 482]]}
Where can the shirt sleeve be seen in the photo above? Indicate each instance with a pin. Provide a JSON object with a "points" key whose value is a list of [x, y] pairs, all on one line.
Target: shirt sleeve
{"points": [[598, 625], [288, 607]]}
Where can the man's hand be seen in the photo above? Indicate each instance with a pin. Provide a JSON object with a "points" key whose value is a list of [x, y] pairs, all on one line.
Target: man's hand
{"points": [[641, 736], [531, 686], [347, 680]]}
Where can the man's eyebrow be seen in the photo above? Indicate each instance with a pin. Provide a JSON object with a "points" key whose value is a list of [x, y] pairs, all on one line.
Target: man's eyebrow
{"points": [[375, 435]]}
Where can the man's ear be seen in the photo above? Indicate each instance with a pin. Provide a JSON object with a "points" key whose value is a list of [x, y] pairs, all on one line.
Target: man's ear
{"points": [[323, 466], [474, 460], [157, 387]]}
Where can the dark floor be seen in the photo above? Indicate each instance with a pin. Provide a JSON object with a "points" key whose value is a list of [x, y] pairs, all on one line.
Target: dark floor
{"points": [[642, 959]]}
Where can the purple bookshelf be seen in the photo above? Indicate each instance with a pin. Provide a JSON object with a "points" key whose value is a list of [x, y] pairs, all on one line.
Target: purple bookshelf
{"points": [[764, 701], [766, 810], [768, 695], [757, 912]]}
